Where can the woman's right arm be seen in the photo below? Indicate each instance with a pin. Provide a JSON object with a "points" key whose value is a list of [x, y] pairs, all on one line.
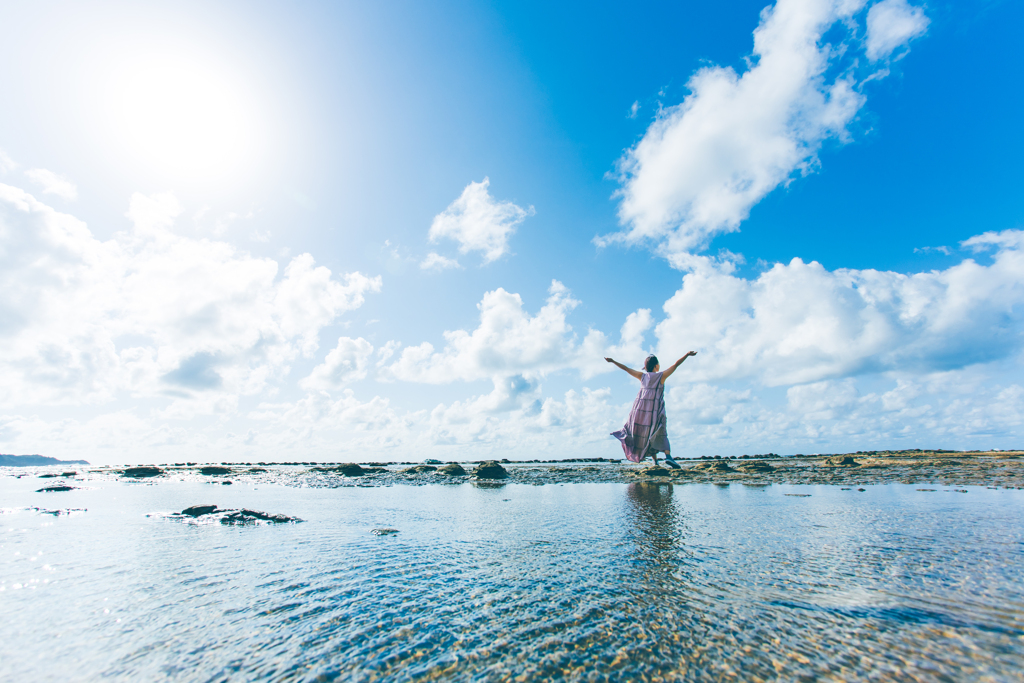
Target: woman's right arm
{"points": [[631, 371]]}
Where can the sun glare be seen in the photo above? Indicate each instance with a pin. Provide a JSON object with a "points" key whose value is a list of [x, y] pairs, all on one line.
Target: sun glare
{"points": [[184, 118]]}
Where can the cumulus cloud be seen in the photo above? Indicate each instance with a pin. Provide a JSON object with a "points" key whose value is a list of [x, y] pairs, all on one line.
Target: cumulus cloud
{"points": [[435, 261], [347, 362], [799, 323], [52, 183], [703, 164], [479, 223], [508, 341], [149, 312], [7, 164], [892, 24]]}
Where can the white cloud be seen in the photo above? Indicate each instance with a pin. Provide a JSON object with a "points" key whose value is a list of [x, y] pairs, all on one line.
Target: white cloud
{"points": [[703, 164], [346, 363], [52, 183], [799, 323], [507, 342], [7, 164], [435, 261], [892, 24], [149, 312], [478, 222]]}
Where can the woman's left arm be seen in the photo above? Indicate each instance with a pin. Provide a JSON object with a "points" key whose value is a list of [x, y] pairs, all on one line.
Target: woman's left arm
{"points": [[675, 365]]}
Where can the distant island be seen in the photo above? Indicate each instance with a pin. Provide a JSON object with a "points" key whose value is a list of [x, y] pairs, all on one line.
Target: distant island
{"points": [[35, 461]]}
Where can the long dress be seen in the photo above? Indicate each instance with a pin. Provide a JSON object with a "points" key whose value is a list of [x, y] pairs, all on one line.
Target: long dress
{"points": [[645, 430]]}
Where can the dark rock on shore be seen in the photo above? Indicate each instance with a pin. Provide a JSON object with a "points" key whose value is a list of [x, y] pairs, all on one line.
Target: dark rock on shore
{"points": [[55, 488], [841, 461], [243, 516], [452, 470], [139, 472], [214, 469], [383, 531], [490, 469], [199, 510], [756, 467], [419, 469]]}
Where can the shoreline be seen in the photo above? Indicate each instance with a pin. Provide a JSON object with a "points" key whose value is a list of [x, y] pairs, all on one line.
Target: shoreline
{"points": [[948, 468]]}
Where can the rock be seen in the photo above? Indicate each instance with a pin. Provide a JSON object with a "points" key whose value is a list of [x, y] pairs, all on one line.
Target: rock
{"points": [[654, 471], [199, 510], [55, 488], [717, 466], [214, 469], [383, 531], [226, 483], [139, 472], [418, 469], [490, 469], [431, 461], [244, 516], [452, 470], [348, 469], [756, 467], [841, 461], [256, 470]]}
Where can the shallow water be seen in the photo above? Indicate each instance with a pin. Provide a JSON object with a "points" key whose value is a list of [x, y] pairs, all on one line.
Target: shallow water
{"points": [[576, 581]]}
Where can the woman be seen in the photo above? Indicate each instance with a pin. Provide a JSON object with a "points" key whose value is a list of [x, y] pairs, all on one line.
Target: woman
{"points": [[645, 430]]}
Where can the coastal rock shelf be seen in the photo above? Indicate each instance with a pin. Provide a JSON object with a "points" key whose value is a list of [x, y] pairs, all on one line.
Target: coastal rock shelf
{"points": [[988, 468]]}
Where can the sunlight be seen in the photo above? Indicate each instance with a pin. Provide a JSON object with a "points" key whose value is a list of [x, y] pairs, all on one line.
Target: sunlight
{"points": [[182, 117]]}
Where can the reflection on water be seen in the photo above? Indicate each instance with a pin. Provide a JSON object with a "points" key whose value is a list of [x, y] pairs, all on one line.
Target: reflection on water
{"points": [[582, 582]]}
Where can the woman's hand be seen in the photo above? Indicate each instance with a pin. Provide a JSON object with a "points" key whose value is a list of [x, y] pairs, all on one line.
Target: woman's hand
{"points": [[609, 360]]}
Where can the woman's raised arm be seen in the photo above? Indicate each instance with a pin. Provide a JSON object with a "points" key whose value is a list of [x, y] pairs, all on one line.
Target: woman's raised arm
{"points": [[672, 369], [631, 371]]}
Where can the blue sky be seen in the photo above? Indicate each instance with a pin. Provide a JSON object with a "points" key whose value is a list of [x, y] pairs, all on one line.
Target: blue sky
{"points": [[365, 231]]}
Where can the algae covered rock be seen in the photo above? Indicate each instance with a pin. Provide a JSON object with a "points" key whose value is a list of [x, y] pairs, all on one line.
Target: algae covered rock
{"points": [[419, 469], [214, 469], [199, 510], [841, 461], [490, 469], [452, 470], [141, 472]]}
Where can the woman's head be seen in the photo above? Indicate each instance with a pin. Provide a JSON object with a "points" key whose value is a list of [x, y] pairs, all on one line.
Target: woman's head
{"points": [[651, 363]]}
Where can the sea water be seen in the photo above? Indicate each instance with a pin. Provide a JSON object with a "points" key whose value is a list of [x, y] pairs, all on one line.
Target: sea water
{"points": [[575, 581]]}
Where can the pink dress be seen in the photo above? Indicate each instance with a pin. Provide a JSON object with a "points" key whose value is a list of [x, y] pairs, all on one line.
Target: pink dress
{"points": [[645, 430]]}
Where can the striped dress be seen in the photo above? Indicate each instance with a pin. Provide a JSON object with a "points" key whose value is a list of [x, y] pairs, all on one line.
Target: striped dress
{"points": [[645, 430]]}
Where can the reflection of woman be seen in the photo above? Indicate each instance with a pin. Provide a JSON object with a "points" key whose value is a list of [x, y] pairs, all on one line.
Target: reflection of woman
{"points": [[655, 519], [645, 430]]}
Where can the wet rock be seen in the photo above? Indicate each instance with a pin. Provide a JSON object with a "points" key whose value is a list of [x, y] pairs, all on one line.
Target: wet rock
{"points": [[214, 469], [348, 469], [654, 471], [140, 472], [756, 467], [226, 483], [198, 510], [245, 516], [256, 470], [452, 470], [431, 461], [490, 469], [55, 488], [716, 466], [419, 469], [384, 531], [841, 461]]}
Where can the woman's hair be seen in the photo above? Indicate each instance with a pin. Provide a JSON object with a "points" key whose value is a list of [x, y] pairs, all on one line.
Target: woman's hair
{"points": [[651, 361]]}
